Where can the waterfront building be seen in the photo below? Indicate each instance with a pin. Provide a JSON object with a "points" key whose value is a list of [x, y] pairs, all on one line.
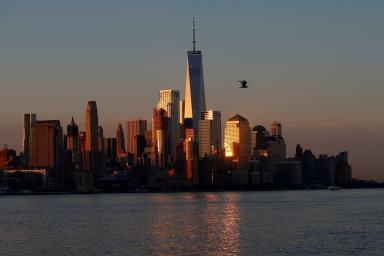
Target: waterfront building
{"points": [[120, 141], [92, 126], [72, 143], [46, 150], [134, 128], [237, 145], [209, 133], [159, 135], [7, 156], [169, 100], [29, 120]]}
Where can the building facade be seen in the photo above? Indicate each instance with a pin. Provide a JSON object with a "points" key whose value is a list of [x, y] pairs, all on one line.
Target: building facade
{"points": [[169, 100], [209, 133], [194, 85]]}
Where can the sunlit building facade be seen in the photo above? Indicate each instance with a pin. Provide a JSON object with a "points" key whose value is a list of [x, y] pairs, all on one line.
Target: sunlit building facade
{"points": [[237, 145], [194, 85], [159, 135], [209, 133], [169, 100]]}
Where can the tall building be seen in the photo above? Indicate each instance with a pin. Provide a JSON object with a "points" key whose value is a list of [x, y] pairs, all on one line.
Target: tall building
{"points": [[46, 144], [73, 142], [92, 126], [209, 133], [110, 148], [100, 153], [46, 150], [134, 128], [29, 120], [169, 100], [100, 139], [237, 138], [259, 138], [159, 135], [181, 111], [83, 152], [237, 144], [276, 129], [120, 141], [194, 85]]}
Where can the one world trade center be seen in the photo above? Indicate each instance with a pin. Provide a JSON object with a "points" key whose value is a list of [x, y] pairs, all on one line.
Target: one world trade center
{"points": [[194, 86]]}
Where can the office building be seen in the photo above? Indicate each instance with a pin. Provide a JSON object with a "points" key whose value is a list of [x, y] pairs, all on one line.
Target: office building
{"points": [[169, 100], [92, 126], [120, 141], [46, 150], [209, 133], [159, 135], [134, 128], [194, 85], [73, 142], [237, 145], [29, 120]]}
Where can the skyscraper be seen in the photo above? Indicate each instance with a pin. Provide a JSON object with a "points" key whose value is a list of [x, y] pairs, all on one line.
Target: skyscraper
{"points": [[159, 137], [237, 144], [276, 129], [194, 85], [134, 128], [169, 100], [181, 111], [100, 139], [209, 133], [46, 144], [29, 120], [120, 141], [46, 150], [73, 142], [92, 126]]}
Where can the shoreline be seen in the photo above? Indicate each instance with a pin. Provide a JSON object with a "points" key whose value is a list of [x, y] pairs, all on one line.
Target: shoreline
{"points": [[175, 191]]}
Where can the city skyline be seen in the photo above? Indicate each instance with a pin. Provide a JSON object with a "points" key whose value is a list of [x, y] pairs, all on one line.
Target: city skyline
{"points": [[331, 129]]}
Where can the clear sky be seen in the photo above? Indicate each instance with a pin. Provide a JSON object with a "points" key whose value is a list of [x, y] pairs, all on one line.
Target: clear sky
{"points": [[315, 66]]}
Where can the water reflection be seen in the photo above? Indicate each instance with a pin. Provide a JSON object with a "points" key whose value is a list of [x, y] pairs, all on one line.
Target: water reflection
{"points": [[209, 224]]}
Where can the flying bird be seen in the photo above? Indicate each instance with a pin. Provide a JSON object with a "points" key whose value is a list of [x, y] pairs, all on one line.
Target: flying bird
{"points": [[243, 84]]}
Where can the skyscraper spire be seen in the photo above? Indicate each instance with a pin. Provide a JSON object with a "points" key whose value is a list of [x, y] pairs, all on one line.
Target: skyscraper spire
{"points": [[194, 86], [194, 35]]}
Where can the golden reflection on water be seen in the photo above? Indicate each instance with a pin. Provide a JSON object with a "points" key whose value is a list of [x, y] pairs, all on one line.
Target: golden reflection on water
{"points": [[196, 231]]}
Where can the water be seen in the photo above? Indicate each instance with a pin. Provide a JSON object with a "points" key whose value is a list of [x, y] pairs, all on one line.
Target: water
{"points": [[344, 222]]}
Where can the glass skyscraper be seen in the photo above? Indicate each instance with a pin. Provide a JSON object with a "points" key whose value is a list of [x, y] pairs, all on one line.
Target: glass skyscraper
{"points": [[194, 86]]}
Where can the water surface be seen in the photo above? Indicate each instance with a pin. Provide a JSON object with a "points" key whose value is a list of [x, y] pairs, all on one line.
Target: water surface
{"points": [[344, 222]]}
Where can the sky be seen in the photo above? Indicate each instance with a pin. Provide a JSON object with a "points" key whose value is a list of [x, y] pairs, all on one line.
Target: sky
{"points": [[315, 66]]}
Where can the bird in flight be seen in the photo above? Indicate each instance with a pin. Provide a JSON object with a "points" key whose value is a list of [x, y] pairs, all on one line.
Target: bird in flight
{"points": [[243, 84]]}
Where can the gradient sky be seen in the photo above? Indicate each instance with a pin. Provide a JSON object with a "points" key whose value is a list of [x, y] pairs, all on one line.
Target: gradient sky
{"points": [[315, 66]]}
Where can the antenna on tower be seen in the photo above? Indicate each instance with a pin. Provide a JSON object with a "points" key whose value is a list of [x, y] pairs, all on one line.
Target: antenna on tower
{"points": [[194, 35]]}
